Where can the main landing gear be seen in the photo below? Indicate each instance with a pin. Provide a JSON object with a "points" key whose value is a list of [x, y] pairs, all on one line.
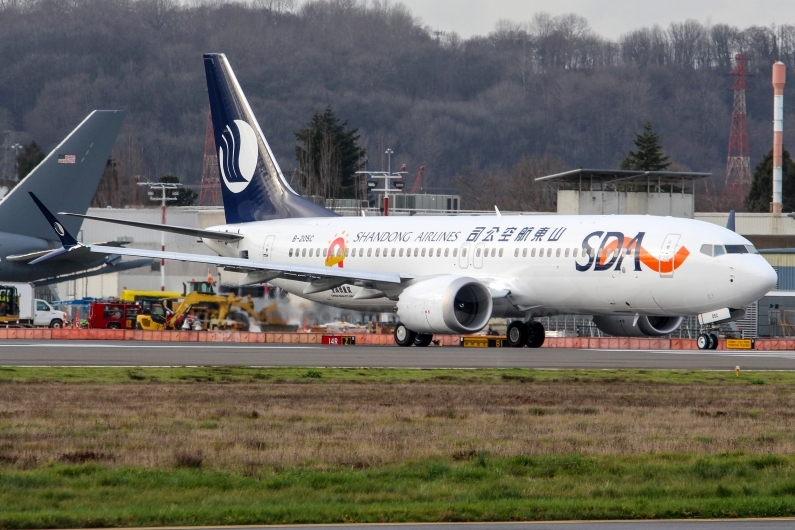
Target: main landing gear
{"points": [[707, 341], [405, 337], [530, 334]]}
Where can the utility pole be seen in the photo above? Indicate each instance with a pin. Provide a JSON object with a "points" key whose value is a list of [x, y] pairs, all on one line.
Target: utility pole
{"points": [[387, 177], [168, 192]]}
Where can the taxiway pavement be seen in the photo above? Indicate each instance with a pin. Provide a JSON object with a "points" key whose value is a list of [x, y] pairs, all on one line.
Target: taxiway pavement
{"points": [[115, 353]]}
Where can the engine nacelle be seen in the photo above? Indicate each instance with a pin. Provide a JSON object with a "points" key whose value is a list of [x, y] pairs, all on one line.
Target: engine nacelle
{"points": [[445, 304], [621, 326]]}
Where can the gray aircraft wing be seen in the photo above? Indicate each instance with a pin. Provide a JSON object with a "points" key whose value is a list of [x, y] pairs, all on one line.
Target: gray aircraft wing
{"points": [[66, 179]]}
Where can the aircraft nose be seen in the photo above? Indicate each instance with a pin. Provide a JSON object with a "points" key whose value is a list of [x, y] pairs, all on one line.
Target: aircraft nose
{"points": [[761, 278]]}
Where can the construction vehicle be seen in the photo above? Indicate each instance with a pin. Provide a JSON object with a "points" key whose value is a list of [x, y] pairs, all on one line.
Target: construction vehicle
{"points": [[210, 311], [18, 308]]}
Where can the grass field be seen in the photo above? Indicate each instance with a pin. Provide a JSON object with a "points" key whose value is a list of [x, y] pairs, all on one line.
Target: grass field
{"points": [[120, 446]]}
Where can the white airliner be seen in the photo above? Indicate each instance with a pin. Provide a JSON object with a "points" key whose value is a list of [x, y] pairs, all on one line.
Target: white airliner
{"points": [[638, 275]]}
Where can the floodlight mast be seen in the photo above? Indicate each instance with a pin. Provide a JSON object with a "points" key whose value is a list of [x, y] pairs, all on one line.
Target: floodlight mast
{"points": [[168, 192], [387, 177]]}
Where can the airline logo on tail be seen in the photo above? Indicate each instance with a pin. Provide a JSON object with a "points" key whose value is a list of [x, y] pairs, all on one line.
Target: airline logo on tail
{"points": [[237, 155]]}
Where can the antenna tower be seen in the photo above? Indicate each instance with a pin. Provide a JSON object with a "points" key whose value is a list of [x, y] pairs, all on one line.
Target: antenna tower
{"points": [[738, 163], [210, 193]]}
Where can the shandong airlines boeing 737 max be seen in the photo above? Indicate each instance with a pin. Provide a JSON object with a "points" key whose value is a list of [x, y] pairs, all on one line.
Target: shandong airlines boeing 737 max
{"points": [[638, 275]]}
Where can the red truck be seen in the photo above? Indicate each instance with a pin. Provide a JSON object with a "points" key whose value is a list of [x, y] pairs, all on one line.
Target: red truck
{"points": [[113, 315]]}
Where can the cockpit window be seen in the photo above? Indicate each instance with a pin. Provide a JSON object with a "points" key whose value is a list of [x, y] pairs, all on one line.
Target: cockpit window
{"points": [[706, 249], [736, 249], [718, 250], [751, 249]]}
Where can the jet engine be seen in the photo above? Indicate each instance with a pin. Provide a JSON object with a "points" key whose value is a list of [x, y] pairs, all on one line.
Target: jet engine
{"points": [[621, 326], [445, 304]]}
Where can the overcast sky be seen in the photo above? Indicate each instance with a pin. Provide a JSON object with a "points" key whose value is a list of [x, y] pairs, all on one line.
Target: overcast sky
{"points": [[608, 18]]}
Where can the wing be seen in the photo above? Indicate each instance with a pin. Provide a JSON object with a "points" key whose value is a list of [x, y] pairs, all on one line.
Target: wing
{"points": [[290, 270], [182, 230]]}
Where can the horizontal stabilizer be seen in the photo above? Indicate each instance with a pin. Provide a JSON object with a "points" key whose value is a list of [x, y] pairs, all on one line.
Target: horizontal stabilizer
{"points": [[182, 230]]}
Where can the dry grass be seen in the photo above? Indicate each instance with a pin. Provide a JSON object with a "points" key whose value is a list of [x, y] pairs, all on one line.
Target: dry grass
{"points": [[247, 426]]}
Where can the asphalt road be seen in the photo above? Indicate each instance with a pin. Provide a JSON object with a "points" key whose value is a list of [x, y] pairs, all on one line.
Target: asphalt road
{"points": [[113, 353], [743, 524]]}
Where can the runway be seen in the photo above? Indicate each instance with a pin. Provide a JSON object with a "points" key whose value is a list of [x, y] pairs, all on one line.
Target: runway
{"points": [[114, 353]]}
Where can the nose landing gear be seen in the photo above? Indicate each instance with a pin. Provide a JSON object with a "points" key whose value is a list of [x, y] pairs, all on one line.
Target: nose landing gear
{"points": [[707, 341]]}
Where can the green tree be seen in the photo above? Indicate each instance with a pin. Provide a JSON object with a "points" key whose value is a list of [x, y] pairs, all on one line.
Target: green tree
{"points": [[649, 155], [28, 159], [328, 156], [185, 196], [761, 193]]}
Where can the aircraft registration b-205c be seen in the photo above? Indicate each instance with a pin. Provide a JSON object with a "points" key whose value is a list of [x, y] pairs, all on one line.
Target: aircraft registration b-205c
{"points": [[638, 275]]}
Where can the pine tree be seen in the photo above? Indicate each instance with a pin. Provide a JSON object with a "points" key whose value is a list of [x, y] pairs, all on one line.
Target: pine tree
{"points": [[761, 193], [649, 156], [328, 156], [28, 159]]}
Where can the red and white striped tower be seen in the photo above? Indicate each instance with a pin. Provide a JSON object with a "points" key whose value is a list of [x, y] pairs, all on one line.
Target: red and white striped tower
{"points": [[738, 163], [779, 78]]}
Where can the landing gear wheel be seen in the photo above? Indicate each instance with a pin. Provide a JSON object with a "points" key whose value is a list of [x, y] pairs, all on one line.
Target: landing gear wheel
{"points": [[537, 335], [703, 342], [423, 339], [518, 332], [404, 336], [713, 341]]}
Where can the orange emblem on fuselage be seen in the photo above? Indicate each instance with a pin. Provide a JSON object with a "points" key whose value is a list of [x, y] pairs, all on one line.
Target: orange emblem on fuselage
{"points": [[657, 265], [336, 253]]}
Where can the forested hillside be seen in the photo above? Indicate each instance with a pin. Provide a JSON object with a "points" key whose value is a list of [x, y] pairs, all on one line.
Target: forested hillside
{"points": [[547, 87]]}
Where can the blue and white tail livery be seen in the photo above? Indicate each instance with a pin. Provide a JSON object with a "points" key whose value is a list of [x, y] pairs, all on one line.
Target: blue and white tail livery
{"points": [[253, 186]]}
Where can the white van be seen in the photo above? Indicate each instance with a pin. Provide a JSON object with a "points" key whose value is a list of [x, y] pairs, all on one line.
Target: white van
{"points": [[30, 311]]}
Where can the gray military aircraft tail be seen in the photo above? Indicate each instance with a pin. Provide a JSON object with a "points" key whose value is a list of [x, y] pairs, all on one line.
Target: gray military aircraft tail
{"points": [[66, 179]]}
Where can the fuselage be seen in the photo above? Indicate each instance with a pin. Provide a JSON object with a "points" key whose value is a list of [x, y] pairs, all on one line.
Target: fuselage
{"points": [[541, 264]]}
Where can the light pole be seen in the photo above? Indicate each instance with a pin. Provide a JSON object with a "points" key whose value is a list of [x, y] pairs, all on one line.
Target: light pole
{"points": [[386, 187], [168, 192], [16, 147]]}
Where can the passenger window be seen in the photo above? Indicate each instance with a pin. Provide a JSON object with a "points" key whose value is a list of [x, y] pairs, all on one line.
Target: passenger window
{"points": [[325, 252], [303, 253], [463, 253], [706, 249], [423, 253], [549, 252], [401, 252], [493, 251], [310, 252], [446, 252], [417, 252], [718, 250], [524, 252], [567, 252], [516, 253], [290, 254], [477, 253], [533, 253], [369, 252], [377, 252], [501, 252], [541, 253], [557, 253], [393, 252], [575, 253], [439, 253]]}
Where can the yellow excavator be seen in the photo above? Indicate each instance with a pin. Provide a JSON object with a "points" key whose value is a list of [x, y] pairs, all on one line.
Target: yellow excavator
{"points": [[205, 311]]}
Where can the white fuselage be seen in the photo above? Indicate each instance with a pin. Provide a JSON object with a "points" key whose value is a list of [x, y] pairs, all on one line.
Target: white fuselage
{"points": [[539, 264]]}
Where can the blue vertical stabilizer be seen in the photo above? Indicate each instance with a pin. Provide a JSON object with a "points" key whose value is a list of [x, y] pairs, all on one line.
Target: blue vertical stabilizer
{"points": [[253, 186]]}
